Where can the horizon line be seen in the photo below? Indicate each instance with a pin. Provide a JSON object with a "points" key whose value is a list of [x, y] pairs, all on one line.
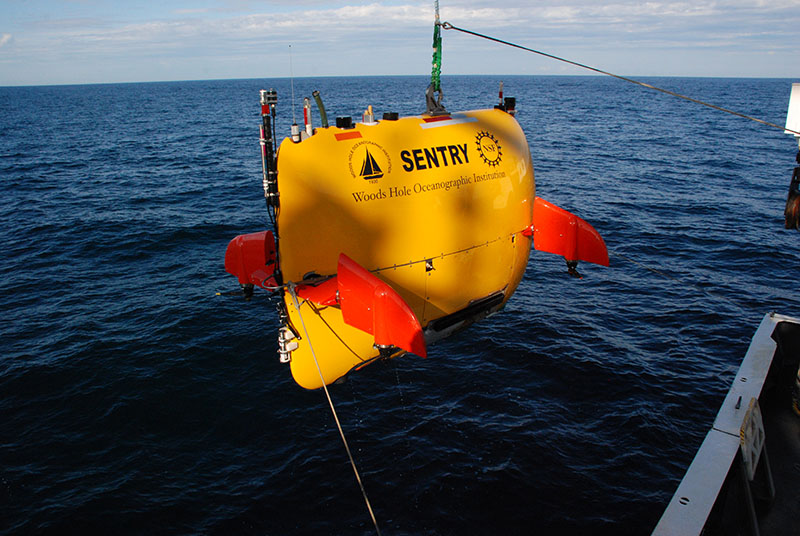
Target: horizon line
{"points": [[593, 75]]}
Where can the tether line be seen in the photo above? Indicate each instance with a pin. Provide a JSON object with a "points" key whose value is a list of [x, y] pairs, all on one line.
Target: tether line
{"points": [[448, 26], [290, 288], [680, 281]]}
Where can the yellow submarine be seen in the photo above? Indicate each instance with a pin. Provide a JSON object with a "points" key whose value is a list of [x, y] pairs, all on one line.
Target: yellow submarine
{"points": [[389, 234]]}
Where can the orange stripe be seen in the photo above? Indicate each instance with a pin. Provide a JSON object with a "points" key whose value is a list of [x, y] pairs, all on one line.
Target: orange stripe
{"points": [[347, 135], [437, 118]]}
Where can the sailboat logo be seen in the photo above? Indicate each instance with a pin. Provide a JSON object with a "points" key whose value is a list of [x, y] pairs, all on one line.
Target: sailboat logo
{"points": [[370, 169], [371, 159]]}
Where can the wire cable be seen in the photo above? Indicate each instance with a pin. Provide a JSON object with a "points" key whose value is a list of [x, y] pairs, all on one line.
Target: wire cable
{"points": [[290, 288], [681, 282], [448, 26]]}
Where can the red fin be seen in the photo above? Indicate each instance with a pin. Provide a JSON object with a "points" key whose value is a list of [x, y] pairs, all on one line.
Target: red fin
{"points": [[557, 231], [251, 258], [373, 306], [323, 293]]}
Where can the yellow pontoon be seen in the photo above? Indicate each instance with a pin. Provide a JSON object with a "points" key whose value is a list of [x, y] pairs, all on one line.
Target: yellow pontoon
{"points": [[391, 234]]}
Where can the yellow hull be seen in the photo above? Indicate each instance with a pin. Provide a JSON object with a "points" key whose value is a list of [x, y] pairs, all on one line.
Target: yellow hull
{"points": [[435, 207]]}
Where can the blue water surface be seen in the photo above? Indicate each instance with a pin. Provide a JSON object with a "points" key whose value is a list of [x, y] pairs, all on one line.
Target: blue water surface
{"points": [[133, 400]]}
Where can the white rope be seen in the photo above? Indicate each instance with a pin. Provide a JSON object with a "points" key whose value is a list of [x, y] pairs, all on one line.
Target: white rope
{"points": [[680, 281], [290, 287], [448, 26]]}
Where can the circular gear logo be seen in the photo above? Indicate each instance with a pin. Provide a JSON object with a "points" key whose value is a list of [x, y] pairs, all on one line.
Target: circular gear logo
{"points": [[489, 148]]}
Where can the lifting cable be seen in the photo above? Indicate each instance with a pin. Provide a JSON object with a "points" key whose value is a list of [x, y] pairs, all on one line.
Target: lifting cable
{"points": [[436, 61], [448, 26], [290, 287], [681, 282]]}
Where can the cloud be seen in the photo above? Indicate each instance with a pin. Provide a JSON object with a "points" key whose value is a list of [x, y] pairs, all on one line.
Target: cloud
{"points": [[194, 11], [393, 36], [550, 21]]}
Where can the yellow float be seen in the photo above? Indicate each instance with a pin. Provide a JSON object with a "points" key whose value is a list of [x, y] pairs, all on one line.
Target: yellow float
{"points": [[391, 234]]}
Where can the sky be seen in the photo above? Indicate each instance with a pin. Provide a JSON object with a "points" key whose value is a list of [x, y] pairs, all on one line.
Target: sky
{"points": [[96, 41]]}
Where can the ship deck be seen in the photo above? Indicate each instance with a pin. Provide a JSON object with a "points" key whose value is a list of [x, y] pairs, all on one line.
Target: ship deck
{"points": [[720, 495]]}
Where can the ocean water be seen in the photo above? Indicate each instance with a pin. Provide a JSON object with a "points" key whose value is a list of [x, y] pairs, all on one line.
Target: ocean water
{"points": [[133, 400]]}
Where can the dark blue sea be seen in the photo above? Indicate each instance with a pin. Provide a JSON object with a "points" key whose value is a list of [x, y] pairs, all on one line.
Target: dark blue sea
{"points": [[134, 400]]}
